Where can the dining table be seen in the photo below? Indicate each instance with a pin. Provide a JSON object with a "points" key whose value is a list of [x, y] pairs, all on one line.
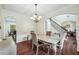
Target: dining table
{"points": [[52, 40]]}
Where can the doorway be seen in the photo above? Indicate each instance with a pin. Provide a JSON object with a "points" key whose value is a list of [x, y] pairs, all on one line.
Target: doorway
{"points": [[13, 31], [10, 27]]}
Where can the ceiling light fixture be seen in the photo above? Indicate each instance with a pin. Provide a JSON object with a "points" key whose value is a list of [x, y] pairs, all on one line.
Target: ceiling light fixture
{"points": [[35, 17]]}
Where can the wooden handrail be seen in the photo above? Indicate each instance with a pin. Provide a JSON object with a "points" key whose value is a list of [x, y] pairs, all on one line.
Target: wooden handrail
{"points": [[58, 24]]}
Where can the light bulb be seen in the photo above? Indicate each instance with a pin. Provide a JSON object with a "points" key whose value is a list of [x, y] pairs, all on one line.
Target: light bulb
{"points": [[31, 17], [40, 17]]}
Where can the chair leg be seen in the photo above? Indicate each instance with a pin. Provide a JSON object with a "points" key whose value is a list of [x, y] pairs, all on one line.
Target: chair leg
{"points": [[37, 50], [48, 47], [32, 46], [61, 51], [48, 50], [55, 49]]}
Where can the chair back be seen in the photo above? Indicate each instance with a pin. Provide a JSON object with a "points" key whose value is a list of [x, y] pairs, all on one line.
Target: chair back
{"points": [[48, 33], [34, 38]]}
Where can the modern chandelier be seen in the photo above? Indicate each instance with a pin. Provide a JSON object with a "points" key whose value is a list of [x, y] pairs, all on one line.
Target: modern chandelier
{"points": [[35, 17]]}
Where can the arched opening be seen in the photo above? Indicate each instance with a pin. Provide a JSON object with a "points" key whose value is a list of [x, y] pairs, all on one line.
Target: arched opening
{"points": [[68, 22]]}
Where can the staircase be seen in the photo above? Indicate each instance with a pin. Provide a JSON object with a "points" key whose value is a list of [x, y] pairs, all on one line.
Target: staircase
{"points": [[60, 29], [57, 26]]}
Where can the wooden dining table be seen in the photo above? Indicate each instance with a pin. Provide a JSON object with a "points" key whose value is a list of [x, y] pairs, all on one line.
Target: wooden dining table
{"points": [[53, 40]]}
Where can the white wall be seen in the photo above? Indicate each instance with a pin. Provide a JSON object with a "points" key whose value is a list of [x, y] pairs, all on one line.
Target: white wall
{"points": [[23, 23], [40, 26], [72, 9], [77, 33], [0, 7]]}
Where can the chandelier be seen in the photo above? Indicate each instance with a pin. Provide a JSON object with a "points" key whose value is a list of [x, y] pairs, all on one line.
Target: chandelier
{"points": [[35, 17]]}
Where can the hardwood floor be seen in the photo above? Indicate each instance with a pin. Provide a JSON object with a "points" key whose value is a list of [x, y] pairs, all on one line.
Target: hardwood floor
{"points": [[24, 48], [70, 46]]}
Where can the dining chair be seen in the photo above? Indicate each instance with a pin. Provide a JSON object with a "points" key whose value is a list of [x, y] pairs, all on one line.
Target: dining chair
{"points": [[59, 45], [53, 46], [35, 42], [38, 43]]}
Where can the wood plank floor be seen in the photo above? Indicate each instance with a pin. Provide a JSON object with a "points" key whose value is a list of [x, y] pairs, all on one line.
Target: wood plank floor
{"points": [[70, 46], [24, 48]]}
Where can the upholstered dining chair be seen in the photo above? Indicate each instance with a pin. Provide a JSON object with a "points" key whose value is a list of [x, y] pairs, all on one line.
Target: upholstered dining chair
{"points": [[36, 42], [48, 33], [59, 44], [53, 36]]}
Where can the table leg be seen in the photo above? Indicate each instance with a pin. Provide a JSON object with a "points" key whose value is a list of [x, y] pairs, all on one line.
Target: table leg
{"points": [[55, 49]]}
